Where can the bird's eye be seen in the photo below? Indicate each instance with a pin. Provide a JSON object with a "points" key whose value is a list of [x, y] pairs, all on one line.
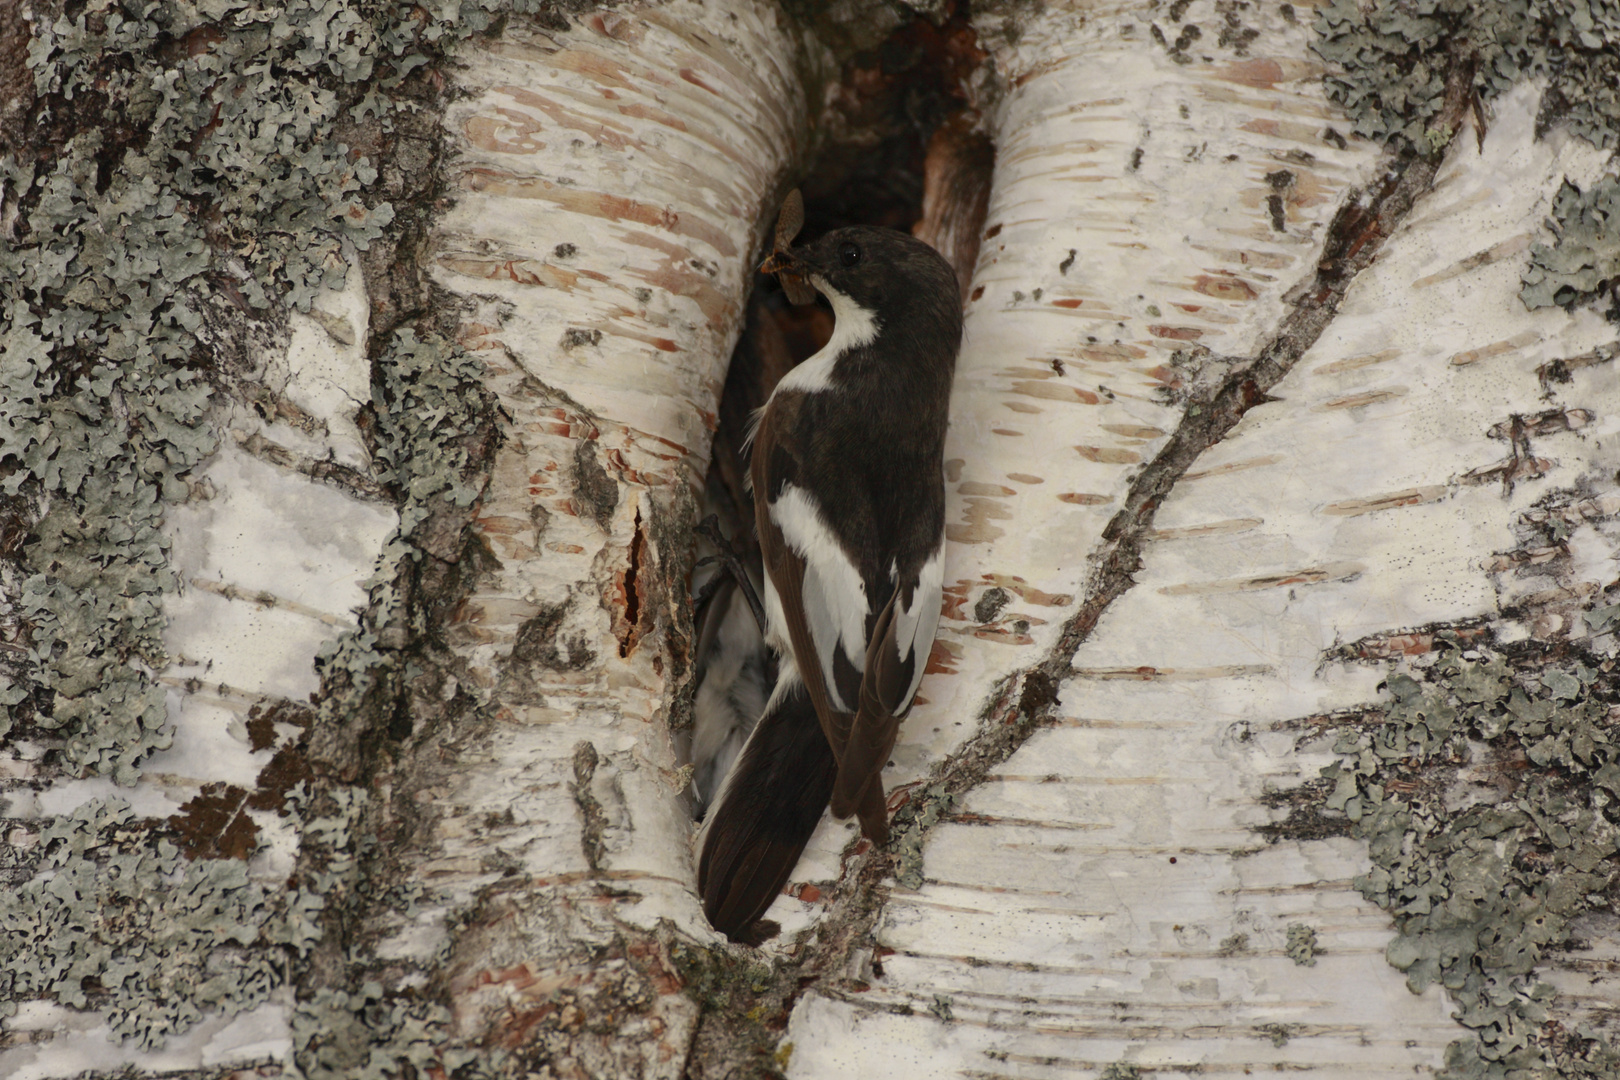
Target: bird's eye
{"points": [[849, 254]]}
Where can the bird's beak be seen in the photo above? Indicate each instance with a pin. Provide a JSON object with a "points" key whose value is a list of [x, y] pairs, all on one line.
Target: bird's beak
{"points": [[781, 262], [793, 274]]}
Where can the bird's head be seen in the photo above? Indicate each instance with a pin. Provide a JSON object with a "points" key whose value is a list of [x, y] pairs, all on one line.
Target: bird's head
{"points": [[874, 277], [880, 270]]}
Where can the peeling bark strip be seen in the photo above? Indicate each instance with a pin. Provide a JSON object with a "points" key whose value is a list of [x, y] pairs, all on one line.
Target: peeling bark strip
{"points": [[1024, 700], [349, 480]]}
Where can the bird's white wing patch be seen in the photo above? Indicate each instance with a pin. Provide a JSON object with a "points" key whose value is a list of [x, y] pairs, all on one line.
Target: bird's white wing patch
{"points": [[776, 627], [853, 326], [834, 595], [914, 626]]}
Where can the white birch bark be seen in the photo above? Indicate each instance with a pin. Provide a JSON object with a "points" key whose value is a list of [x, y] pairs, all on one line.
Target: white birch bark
{"points": [[616, 182]]}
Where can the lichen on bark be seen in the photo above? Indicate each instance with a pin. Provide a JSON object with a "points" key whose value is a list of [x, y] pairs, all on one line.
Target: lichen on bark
{"points": [[1486, 790], [1483, 884], [183, 177], [1390, 56]]}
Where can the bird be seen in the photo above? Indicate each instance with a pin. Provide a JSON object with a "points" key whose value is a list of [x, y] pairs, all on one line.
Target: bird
{"points": [[734, 676], [733, 670], [847, 470]]}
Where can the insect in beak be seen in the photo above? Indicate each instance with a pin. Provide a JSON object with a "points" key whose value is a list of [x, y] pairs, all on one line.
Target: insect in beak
{"points": [[781, 262]]}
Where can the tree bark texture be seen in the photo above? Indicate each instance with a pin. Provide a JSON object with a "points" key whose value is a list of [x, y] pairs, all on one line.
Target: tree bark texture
{"points": [[616, 181], [1248, 410]]}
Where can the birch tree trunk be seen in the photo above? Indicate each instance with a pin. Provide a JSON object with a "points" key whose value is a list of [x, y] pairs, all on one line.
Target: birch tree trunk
{"points": [[1226, 455]]}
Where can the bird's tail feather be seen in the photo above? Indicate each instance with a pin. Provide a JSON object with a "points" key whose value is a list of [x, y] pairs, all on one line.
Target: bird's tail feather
{"points": [[766, 811]]}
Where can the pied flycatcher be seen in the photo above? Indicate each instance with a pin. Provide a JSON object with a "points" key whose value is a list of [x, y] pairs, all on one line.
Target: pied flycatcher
{"points": [[849, 501]]}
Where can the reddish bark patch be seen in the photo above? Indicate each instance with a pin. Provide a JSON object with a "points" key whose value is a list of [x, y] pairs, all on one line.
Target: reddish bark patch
{"points": [[261, 731], [942, 658], [1223, 287], [1260, 73], [692, 77], [215, 825], [1109, 455]]}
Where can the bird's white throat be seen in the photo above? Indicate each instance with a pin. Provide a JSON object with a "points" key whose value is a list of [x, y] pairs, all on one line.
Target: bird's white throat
{"points": [[853, 326]]}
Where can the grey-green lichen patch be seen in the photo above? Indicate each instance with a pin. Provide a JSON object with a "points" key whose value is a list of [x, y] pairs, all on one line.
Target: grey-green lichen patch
{"points": [[183, 157], [1393, 55], [1301, 945], [710, 976], [99, 418], [373, 1035], [369, 1032], [121, 922], [1583, 261], [1279, 1034], [1120, 1070], [910, 830], [431, 426], [428, 395], [742, 994], [183, 172], [1488, 796]]}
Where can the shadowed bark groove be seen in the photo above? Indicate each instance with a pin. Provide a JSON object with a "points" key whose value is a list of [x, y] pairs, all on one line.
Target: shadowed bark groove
{"points": [[1024, 700]]}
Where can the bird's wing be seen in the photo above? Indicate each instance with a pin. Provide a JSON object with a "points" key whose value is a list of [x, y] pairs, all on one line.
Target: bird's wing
{"points": [[901, 640], [814, 591], [808, 595]]}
